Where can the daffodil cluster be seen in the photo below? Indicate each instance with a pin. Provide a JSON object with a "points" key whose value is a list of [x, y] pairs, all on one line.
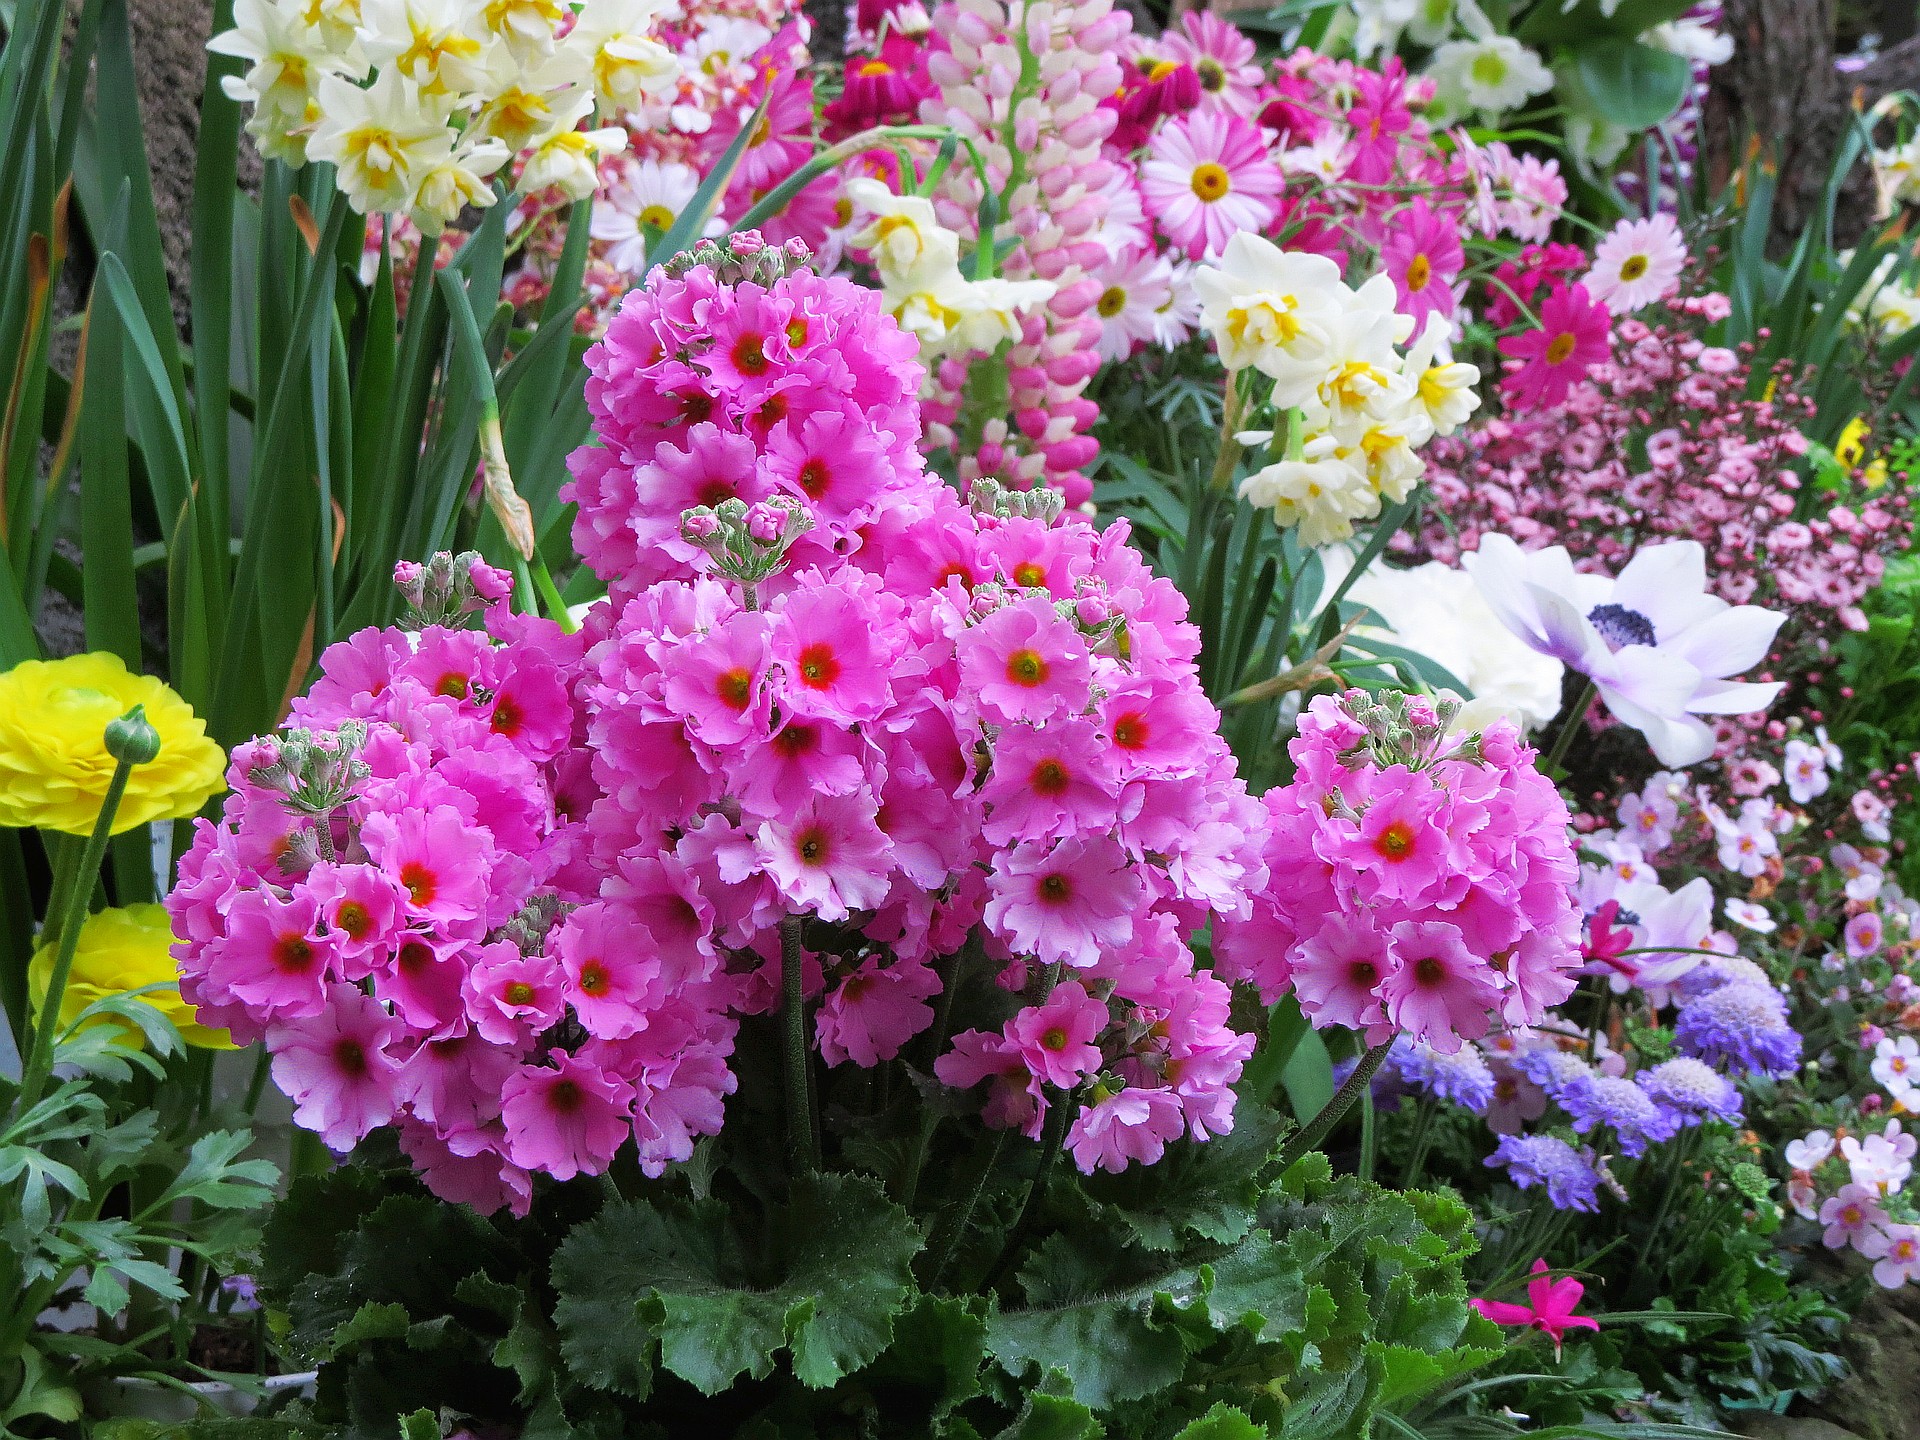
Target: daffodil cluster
{"points": [[419, 104], [925, 290], [1356, 408]]}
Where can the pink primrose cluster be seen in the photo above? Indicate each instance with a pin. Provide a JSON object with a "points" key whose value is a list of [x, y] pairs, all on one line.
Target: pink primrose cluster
{"points": [[1040, 140], [1419, 884], [513, 891], [703, 392]]}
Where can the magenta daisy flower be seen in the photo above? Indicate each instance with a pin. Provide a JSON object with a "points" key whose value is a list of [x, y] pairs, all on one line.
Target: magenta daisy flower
{"points": [[1573, 334], [1208, 176], [1423, 255]]}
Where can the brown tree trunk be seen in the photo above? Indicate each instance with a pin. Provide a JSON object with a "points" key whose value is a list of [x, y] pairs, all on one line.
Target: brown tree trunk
{"points": [[1781, 91]]}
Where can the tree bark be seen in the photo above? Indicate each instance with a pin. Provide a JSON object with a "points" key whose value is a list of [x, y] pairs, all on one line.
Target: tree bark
{"points": [[1781, 91]]}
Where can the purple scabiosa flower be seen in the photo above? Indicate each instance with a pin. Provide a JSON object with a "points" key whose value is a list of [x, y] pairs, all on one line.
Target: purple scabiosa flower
{"points": [[1554, 1070], [1688, 1090], [1461, 1079], [1742, 1025], [1571, 1180], [1620, 1106], [1710, 975]]}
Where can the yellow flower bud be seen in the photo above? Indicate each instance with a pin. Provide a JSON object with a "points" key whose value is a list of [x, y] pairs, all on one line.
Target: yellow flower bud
{"points": [[118, 951], [54, 763]]}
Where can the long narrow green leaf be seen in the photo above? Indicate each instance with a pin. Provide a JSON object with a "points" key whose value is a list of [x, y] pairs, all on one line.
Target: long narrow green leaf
{"points": [[112, 609], [691, 223], [210, 302]]}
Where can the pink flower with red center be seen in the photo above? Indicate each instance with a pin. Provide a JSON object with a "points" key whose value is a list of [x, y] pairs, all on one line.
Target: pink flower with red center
{"points": [[1338, 974], [1401, 846], [1440, 993], [566, 1120], [1025, 663], [359, 909], [1573, 335], [423, 982], [512, 997], [437, 859], [827, 857], [1422, 253], [1049, 781], [1012, 1098], [613, 975], [836, 464], [825, 641], [872, 1013], [1056, 1039], [1207, 177], [751, 352], [716, 465], [453, 1084], [1118, 1129], [717, 682], [271, 959], [802, 755], [1155, 726], [336, 1068], [1549, 1307], [1067, 903]]}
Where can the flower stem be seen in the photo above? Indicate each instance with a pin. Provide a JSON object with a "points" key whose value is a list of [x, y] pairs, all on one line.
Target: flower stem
{"points": [[793, 1013], [1051, 1141], [1315, 1130], [1569, 727], [68, 909], [1229, 456], [964, 1220]]}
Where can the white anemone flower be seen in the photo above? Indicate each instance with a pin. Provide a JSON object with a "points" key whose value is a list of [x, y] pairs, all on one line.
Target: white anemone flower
{"points": [[1655, 644]]}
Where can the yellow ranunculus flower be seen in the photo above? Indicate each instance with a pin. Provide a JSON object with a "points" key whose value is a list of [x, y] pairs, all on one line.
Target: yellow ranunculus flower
{"points": [[54, 765], [121, 950], [1851, 448]]}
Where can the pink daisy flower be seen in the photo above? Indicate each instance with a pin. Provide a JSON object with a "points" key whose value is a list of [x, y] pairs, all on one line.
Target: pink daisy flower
{"points": [[829, 858], [1423, 255], [336, 1068], [1636, 263], [567, 1120], [1056, 1039], [1221, 56], [1207, 177], [1067, 904], [1573, 335]]}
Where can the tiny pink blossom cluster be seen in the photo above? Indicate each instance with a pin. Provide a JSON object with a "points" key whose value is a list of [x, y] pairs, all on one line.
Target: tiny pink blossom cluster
{"points": [[1420, 883], [515, 891], [703, 391], [1025, 83]]}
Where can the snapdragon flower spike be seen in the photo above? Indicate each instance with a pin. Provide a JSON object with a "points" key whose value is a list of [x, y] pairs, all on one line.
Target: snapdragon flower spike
{"points": [[1439, 894]]}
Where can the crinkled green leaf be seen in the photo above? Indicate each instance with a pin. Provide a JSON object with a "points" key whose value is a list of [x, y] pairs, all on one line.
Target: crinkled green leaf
{"points": [[1209, 1190], [830, 1298], [1222, 1422], [1088, 1313], [1052, 1417]]}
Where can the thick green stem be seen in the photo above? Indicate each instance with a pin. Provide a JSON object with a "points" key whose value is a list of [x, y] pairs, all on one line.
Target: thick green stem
{"points": [[1315, 1130], [69, 911], [793, 1017], [1575, 722]]}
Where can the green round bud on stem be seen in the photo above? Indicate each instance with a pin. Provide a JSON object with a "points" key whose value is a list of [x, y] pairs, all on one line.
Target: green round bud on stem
{"points": [[131, 739]]}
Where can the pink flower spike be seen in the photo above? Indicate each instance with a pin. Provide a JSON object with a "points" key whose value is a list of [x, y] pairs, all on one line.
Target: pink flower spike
{"points": [[1549, 1307]]}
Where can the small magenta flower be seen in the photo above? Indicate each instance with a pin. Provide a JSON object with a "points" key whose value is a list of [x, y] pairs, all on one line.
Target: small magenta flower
{"points": [[1549, 1307]]}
